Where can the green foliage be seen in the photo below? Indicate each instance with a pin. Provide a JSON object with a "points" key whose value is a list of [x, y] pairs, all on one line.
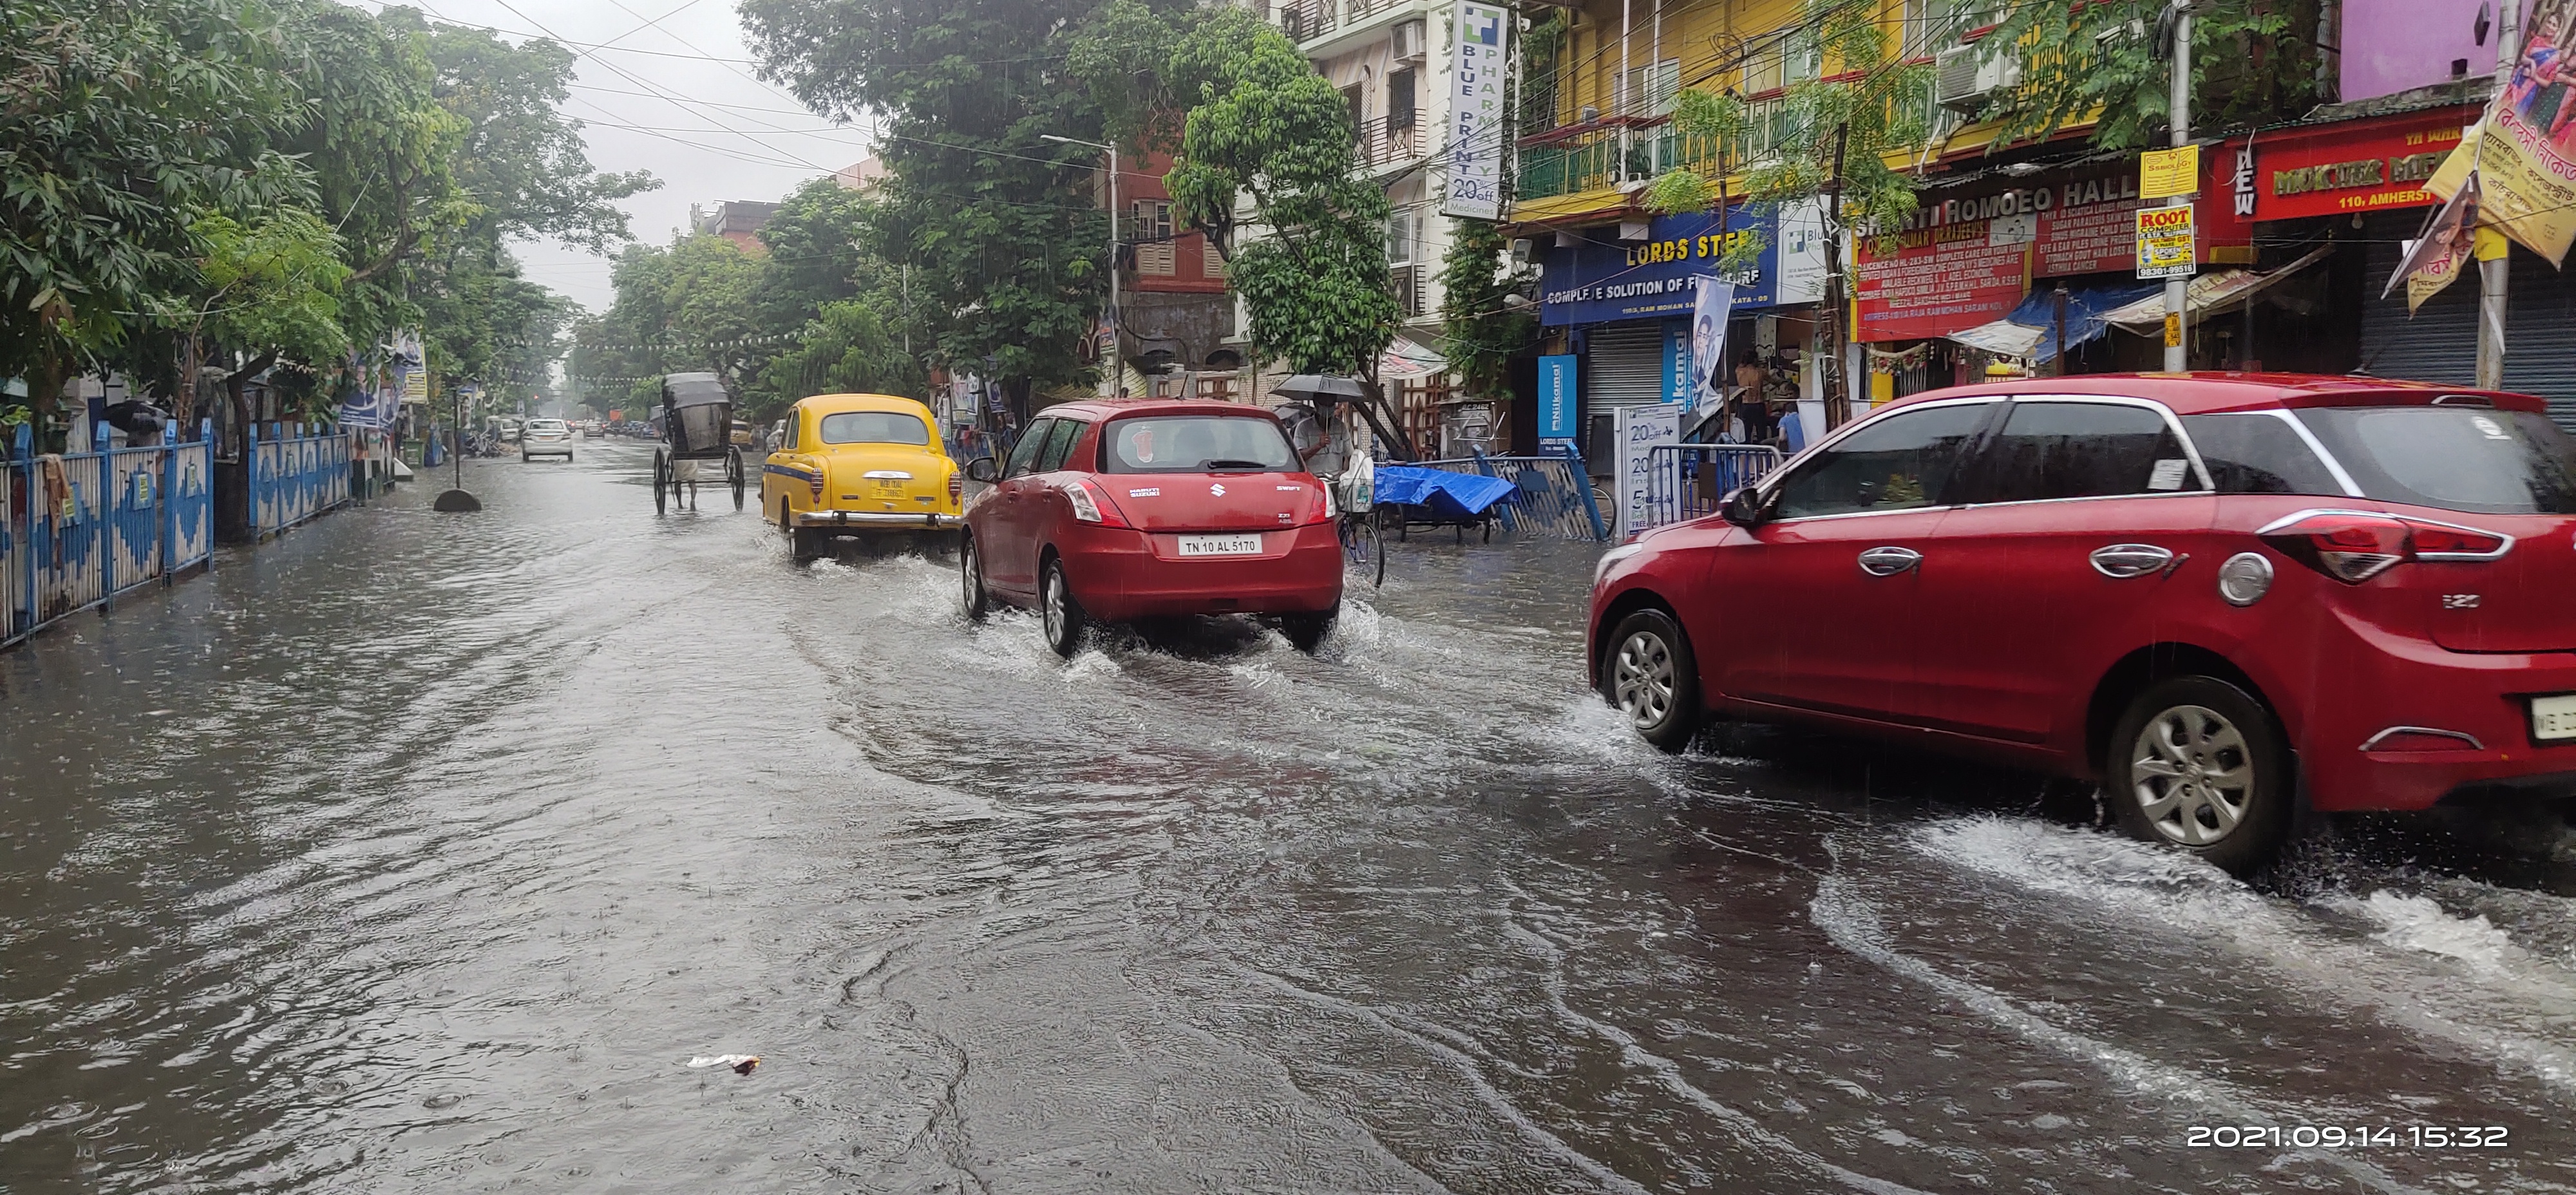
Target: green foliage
{"points": [[1000, 226], [2253, 62], [121, 127], [272, 286], [1312, 268], [1872, 107], [846, 349], [1483, 333], [820, 244]]}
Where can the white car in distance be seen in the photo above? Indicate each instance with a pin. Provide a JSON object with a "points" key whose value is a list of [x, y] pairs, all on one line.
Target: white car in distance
{"points": [[545, 437]]}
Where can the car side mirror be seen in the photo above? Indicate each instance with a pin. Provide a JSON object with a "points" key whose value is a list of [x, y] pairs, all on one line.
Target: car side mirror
{"points": [[1743, 508], [984, 470]]}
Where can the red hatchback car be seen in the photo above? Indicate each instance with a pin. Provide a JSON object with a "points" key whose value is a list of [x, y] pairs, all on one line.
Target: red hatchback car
{"points": [[1136, 508], [2216, 594]]}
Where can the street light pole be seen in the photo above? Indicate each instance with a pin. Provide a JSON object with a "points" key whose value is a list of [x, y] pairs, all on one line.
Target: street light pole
{"points": [[2178, 290], [1117, 359]]}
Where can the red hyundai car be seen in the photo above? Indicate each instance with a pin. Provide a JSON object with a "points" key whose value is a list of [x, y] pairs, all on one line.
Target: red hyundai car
{"points": [[2216, 594], [1136, 508]]}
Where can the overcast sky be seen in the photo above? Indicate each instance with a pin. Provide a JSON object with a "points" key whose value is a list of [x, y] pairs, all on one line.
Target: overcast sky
{"points": [[665, 86]]}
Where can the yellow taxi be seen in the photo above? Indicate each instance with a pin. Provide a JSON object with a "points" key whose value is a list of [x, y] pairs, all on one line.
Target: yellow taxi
{"points": [[860, 464]]}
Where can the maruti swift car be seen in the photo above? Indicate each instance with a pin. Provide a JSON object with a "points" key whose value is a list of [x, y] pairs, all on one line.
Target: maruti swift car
{"points": [[2217, 595], [1134, 508]]}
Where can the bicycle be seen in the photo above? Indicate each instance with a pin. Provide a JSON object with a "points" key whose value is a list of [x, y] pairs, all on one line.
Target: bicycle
{"points": [[1363, 548]]}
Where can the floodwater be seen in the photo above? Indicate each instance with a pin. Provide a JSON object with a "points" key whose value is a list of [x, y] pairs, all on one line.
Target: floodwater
{"points": [[420, 853]]}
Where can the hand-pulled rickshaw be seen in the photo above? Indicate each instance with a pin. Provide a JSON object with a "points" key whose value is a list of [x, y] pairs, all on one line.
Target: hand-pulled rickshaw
{"points": [[696, 421]]}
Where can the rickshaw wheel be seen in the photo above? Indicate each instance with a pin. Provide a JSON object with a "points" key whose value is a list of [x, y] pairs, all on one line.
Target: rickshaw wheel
{"points": [[733, 473], [661, 484]]}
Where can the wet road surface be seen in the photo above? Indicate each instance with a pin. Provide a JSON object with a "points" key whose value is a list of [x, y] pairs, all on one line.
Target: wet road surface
{"points": [[418, 853]]}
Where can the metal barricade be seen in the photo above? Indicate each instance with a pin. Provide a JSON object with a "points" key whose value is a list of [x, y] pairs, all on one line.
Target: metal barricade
{"points": [[129, 516], [296, 478], [1688, 481], [1552, 493]]}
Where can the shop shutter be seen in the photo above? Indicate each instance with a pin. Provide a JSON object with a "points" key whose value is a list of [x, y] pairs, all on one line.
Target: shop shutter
{"points": [[2440, 344], [1625, 362]]}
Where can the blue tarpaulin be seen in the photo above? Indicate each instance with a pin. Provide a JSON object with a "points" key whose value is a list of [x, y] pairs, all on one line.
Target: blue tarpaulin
{"points": [[1446, 494], [2031, 330]]}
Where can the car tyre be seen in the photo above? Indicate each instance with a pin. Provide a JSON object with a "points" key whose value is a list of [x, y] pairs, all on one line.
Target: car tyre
{"points": [[970, 571], [1059, 612], [1649, 674], [1307, 631], [2201, 765]]}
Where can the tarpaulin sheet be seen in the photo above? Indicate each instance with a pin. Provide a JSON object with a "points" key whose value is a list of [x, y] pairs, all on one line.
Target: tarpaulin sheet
{"points": [[1447, 494], [2031, 330]]}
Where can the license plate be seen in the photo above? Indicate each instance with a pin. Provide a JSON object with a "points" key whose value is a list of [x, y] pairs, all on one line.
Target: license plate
{"points": [[1250, 545], [2554, 717]]}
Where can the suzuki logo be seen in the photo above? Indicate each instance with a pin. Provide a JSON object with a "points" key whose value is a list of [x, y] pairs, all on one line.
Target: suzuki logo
{"points": [[1217, 488]]}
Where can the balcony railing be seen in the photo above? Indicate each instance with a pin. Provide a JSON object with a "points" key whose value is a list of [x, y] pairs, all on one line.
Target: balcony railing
{"points": [[1567, 162], [1385, 142]]}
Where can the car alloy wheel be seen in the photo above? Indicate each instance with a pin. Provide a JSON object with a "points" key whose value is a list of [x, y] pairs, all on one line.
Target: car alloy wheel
{"points": [[1651, 676], [1641, 679], [2192, 774], [970, 568], [2200, 764], [1061, 613]]}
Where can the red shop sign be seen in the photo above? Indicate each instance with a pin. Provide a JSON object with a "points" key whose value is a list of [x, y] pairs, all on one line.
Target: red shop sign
{"points": [[2345, 167], [1964, 260]]}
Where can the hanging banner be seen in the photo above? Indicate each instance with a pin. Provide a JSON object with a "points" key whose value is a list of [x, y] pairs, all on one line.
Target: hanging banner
{"points": [[2525, 152], [1477, 69], [2434, 259], [1708, 344]]}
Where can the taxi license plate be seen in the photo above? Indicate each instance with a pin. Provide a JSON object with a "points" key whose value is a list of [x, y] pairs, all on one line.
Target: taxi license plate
{"points": [[2553, 717], [1250, 545]]}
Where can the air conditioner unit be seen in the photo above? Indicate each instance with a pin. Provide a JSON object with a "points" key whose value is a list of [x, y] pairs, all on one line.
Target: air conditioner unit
{"points": [[1409, 41], [1966, 77]]}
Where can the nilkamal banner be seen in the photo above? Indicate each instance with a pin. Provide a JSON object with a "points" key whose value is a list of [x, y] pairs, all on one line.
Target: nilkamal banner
{"points": [[1602, 278], [1476, 74], [1556, 397]]}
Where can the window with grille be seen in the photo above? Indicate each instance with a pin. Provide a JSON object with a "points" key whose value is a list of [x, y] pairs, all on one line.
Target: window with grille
{"points": [[1651, 88], [1401, 99], [1153, 236]]}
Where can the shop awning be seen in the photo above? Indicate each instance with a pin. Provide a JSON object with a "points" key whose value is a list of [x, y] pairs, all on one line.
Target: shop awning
{"points": [[2030, 332], [2209, 295]]}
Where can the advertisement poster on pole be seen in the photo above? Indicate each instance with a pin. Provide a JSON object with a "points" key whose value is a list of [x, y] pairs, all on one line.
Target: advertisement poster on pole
{"points": [[1640, 430], [1477, 70], [1556, 398], [2165, 243], [2524, 153], [1708, 345]]}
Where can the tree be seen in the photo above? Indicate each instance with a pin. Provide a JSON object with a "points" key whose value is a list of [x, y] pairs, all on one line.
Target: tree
{"points": [[122, 126], [846, 349], [2253, 61], [820, 251], [272, 290], [1832, 146], [1310, 263], [1483, 331], [999, 225]]}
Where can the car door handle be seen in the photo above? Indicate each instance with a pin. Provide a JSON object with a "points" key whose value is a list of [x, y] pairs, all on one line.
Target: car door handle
{"points": [[1887, 562], [2131, 560]]}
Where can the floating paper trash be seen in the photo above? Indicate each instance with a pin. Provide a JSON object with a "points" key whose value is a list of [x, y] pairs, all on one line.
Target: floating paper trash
{"points": [[742, 1064]]}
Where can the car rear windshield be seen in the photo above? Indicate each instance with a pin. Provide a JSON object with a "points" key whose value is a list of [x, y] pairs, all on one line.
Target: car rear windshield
{"points": [[1196, 444], [2452, 458], [873, 427]]}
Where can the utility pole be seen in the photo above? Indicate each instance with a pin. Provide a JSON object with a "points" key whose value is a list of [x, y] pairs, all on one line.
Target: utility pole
{"points": [[2177, 290], [2493, 251], [1117, 355]]}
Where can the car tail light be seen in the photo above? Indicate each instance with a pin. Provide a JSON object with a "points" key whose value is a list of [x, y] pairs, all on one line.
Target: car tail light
{"points": [[956, 485], [1092, 506], [2354, 546], [1319, 506], [814, 481]]}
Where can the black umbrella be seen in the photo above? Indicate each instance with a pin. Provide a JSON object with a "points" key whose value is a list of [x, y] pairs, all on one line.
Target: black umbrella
{"points": [[1321, 387]]}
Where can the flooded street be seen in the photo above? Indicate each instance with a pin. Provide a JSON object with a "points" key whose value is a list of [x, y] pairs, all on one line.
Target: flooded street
{"points": [[419, 853]]}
